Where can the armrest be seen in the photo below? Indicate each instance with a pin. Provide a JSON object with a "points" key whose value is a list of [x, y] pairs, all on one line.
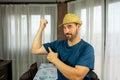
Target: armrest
{"points": [[29, 75]]}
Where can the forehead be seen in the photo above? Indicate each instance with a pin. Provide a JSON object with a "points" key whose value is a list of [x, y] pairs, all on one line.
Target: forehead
{"points": [[68, 24]]}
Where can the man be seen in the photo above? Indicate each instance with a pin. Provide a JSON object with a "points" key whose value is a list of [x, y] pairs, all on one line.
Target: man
{"points": [[73, 57]]}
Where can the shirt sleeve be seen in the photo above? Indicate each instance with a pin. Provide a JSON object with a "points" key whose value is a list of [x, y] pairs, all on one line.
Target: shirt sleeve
{"points": [[87, 58], [52, 45]]}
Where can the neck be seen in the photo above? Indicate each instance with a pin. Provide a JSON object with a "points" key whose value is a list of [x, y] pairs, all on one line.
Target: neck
{"points": [[74, 41]]}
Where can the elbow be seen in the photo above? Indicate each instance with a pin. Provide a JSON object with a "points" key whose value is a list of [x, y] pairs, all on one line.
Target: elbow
{"points": [[33, 51]]}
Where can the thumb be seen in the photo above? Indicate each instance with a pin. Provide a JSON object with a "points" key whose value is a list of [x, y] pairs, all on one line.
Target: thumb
{"points": [[50, 49]]}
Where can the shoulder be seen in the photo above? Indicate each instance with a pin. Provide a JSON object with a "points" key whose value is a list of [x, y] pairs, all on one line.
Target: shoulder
{"points": [[86, 44], [86, 47]]}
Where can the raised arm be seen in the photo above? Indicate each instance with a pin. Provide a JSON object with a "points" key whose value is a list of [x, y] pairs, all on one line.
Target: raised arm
{"points": [[37, 47]]}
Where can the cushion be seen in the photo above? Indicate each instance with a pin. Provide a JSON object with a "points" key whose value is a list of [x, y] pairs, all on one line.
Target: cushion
{"points": [[33, 69], [26, 76], [29, 75], [93, 75]]}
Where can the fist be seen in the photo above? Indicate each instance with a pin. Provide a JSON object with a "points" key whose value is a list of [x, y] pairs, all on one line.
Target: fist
{"points": [[43, 23]]}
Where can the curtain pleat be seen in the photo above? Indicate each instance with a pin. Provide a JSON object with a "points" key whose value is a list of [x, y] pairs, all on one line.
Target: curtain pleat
{"points": [[18, 26]]}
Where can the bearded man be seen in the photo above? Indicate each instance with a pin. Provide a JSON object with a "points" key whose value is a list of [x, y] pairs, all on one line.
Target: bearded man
{"points": [[73, 57]]}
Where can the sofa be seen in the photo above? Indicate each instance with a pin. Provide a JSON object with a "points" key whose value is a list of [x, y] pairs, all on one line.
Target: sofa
{"points": [[5, 69], [29, 75]]}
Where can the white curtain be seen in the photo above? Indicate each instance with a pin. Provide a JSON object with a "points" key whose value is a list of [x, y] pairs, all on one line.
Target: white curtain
{"points": [[101, 28], [91, 14], [112, 60], [18, 26]]}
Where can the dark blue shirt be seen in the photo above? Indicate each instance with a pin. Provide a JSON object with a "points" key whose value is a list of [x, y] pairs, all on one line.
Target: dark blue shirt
{"points": [[81, 54]]}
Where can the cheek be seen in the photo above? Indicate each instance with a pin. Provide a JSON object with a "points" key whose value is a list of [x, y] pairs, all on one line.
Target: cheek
{"points": [[64, 31], [74, 32]]}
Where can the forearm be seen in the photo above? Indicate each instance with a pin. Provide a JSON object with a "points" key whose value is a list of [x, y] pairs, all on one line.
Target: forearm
{"points": [[69, 72]]}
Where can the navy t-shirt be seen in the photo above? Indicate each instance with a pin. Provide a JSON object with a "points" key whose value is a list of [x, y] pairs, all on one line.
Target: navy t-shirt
{"points": [[81, 54]]}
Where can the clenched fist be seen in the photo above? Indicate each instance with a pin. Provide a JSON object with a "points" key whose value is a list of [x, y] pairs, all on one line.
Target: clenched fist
{"points": [[43, 23]]}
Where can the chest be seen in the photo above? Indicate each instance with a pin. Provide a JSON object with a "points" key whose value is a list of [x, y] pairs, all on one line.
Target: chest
{"points": [[70, 56]]}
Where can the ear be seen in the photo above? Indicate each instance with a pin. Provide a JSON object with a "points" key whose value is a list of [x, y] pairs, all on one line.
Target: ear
{"points": [[78, 26]]}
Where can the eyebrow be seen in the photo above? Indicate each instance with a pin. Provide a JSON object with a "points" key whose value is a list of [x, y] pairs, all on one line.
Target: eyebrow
{"points": [[71, 24]]}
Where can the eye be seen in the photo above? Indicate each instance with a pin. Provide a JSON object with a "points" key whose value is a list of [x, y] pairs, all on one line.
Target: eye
{"points": [[69, 26]]}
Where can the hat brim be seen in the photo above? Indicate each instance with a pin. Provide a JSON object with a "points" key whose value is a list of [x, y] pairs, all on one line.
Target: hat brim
{"points": [[68, 23]]}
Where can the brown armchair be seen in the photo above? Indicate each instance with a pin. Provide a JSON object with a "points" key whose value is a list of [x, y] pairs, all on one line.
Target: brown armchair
{"points": [[93, 75], [29, 75]]}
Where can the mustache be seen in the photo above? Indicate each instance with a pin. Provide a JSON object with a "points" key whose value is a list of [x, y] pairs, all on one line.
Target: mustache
{"points": [[68, 34]]}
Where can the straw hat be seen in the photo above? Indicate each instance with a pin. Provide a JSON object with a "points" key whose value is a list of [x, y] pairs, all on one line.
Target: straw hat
{"points": [[69, 18]]}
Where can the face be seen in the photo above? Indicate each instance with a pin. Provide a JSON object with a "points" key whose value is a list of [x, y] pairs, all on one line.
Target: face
{"points": [[71, 30]]}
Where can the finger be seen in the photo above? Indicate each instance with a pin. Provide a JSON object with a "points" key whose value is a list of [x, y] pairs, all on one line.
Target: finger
{"points": [[46, 21], [50, 49]]}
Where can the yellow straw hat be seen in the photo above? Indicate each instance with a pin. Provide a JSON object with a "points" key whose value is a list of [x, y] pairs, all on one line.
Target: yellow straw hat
{"points": [[69, 18]]}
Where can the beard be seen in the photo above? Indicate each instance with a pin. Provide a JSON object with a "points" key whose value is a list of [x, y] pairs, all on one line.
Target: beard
{"points": [[71, 36]]}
